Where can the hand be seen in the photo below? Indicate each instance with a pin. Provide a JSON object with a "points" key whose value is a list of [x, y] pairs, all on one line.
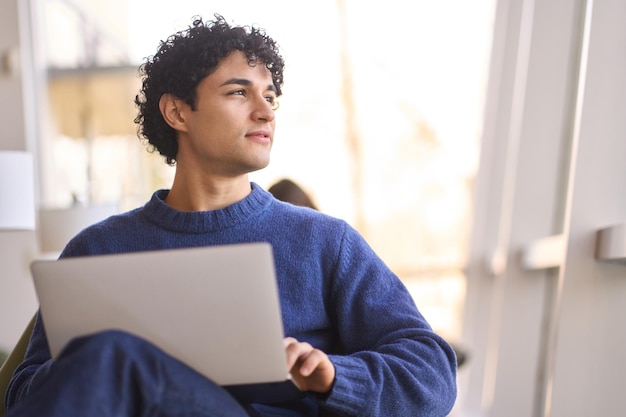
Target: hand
{"points": [[310, 368]]}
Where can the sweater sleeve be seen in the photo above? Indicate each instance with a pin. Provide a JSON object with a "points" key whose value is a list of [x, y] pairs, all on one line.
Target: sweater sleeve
{"points": [[392, 363], [33, 368]]}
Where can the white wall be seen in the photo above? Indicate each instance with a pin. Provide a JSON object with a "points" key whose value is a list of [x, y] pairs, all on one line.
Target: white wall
{"points": [[548, 341], [591, 336], [17, 115]]}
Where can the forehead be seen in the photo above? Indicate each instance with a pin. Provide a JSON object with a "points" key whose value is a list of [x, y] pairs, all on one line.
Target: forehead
{"points": [[237, 65]]}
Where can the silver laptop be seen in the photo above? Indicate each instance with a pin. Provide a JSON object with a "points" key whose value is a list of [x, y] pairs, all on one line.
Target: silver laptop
{"points": [[214, 308]]}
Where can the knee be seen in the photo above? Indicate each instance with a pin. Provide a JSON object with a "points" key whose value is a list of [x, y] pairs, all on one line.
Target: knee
{"points": [[108, 345]]}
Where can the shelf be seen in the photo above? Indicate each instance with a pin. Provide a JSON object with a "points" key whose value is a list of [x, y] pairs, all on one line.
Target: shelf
{"points": [[547, 252], [611, 244]]}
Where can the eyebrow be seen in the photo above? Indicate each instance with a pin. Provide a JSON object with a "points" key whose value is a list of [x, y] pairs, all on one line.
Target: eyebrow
{"points": [[244, 82]]}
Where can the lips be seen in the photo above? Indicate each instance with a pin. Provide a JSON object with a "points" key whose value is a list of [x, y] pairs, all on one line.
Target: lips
{"points": [[262, 136]]}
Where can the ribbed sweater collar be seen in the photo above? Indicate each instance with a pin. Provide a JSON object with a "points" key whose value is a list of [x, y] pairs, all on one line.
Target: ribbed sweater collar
{"points": [[205, 221]]}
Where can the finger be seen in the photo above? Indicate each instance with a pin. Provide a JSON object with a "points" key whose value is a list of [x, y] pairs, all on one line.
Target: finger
{"points": [[289, 340], [310, 362], [296, 352], [314, 371]]}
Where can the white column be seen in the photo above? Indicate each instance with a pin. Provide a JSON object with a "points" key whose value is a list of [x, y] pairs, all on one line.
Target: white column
{"points": [[18, 120]]}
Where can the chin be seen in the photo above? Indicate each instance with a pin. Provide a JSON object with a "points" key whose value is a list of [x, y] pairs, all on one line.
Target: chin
{"points": [[259, 165]]}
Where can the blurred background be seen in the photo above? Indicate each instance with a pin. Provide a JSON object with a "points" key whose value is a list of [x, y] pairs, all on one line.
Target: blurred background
{"points": [[456, 136], [377, 123]]}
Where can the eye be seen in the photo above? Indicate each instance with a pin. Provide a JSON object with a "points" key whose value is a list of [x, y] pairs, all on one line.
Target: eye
{"points": [[273, 101], [238, 93]]}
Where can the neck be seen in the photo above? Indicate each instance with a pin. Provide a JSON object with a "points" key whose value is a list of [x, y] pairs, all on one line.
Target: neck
{"points": [[197, 193]]}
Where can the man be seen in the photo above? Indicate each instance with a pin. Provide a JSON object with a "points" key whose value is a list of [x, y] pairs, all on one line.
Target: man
{"points": [[356, 345]]}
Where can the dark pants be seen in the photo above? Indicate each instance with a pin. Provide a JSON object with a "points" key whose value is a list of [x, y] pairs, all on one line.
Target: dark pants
{"points": [[116, 374]]}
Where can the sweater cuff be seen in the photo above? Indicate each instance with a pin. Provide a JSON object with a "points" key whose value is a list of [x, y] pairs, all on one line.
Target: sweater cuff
{"points": [[350, 388]]}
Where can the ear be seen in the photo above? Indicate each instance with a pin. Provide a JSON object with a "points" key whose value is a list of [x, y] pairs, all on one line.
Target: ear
{"points": [[172, 110]]}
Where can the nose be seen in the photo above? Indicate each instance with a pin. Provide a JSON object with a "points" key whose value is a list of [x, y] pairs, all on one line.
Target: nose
{"points": [[263, 110]]}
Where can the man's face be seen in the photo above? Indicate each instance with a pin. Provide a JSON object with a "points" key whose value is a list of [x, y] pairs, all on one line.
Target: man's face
{"points": [[230, 132]]}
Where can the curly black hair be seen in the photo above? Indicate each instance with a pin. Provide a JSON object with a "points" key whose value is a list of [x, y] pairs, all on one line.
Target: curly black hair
{"points": [[184, 60]]}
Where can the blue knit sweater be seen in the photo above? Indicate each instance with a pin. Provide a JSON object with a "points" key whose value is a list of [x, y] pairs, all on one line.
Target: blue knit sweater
{"points": [[335, 293]]}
